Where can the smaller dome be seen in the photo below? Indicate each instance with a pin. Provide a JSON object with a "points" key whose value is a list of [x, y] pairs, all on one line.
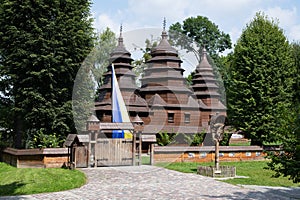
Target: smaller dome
{"points": [[204, 64], [164, 46]]}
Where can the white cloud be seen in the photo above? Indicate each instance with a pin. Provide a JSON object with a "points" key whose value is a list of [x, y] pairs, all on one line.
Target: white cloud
{"points": [[155, 10], [288, 20], [230, 15], [224, 6], [286, 17], [295, 32], [103, 20], [235, 33]]}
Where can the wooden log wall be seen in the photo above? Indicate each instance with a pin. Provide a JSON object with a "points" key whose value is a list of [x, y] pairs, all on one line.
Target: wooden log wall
{"points": [[207, 153], [35, 158]]}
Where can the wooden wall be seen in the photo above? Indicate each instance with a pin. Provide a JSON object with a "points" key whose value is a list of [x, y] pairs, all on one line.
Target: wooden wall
{"points": [[35, 158], [207, 153]]}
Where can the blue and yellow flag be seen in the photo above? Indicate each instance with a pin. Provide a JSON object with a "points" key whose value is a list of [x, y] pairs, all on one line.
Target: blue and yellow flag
{"points": [[119, 111]]}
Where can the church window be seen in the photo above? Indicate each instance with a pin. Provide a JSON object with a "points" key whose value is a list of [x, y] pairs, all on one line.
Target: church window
{"points": [[187, 117], [170, 117]]}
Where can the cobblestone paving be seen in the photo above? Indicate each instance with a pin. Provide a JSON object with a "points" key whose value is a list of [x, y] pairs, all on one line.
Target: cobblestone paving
{"points": [[149, 182]]}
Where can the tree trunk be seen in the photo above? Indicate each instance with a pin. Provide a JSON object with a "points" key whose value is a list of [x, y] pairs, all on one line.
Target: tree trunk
{"points": [[18, 131]]}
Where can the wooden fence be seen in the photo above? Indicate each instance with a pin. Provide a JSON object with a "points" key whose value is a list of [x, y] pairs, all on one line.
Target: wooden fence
{"points": [[35, 158], [207, 153]]}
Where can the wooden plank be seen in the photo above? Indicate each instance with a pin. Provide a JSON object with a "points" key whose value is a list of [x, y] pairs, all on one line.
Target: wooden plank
{"points": [[113, 152], [81, 155]]}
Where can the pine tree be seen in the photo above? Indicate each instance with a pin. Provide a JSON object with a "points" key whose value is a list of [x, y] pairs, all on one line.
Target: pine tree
{"points": [[262, 75], [42, 45]]}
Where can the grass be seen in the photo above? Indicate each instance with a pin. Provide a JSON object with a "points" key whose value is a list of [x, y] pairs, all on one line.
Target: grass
{"points": [[252, 169], [240, 144], [20, 181], [146, 160]]}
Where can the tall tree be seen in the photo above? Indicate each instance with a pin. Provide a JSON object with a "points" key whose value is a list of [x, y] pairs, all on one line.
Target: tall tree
{"points": [[42, 45], [105, 44], [196, 32], [288, 163], [262, 75], [90, 77], [140, 64]]}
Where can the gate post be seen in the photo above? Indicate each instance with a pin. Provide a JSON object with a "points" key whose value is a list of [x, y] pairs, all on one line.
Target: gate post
{"points": [[138, 125], [140, 148], [151, 154], [133, 147], [92, 125]]}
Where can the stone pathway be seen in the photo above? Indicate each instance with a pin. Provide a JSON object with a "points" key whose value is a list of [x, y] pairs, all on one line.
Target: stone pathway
{"points": [[149, 182]]}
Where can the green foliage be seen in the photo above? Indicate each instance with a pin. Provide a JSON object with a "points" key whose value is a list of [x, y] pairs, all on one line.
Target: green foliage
{"points": [[296, 55], [83, 97], [189, 79], [193, 35], [261, 79], [195, 139], [164, 138], [106, 42], [41, 140], [21, 181], [287, 163], [6, 123], [139, 65], [202, 32], [42, 45], [226, 138], [90, 77]]}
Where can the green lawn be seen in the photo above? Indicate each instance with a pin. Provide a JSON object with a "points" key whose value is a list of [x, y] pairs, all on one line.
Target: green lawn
{"points": [[240, 144], [253, 169], [146, 160], [15, 181]]}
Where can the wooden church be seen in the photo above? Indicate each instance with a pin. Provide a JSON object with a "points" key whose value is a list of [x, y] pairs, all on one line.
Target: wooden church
{"points": [[164, 101]]}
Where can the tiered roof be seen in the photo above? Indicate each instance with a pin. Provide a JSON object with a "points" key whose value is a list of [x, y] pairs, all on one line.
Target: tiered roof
{"points": [[171, 102], [164, 74], [205, 85], [121, 59], [164, 92]]}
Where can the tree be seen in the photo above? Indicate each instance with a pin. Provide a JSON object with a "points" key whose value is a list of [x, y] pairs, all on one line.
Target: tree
{"points": [[196, 32], [42, 45], [90, 77], [106, 42], [164, 138], [261, 80], [6, 122], [296, 55], [287, 163], [139, 65]]}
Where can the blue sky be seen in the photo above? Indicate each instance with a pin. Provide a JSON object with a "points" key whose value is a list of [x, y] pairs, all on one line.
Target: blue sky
{"points": [[230, 15], [142, 19]]}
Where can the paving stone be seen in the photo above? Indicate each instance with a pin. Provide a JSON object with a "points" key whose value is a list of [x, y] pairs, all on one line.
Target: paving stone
{"points": [[150, 182]]}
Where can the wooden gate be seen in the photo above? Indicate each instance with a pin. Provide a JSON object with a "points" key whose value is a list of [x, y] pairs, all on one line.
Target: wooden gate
{"points": [[81, 156], [113, 152]]}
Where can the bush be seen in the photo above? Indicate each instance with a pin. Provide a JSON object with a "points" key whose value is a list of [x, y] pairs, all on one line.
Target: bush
{"points": [[226, 138], [41, 140], [164, 138], [195, 139]]}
